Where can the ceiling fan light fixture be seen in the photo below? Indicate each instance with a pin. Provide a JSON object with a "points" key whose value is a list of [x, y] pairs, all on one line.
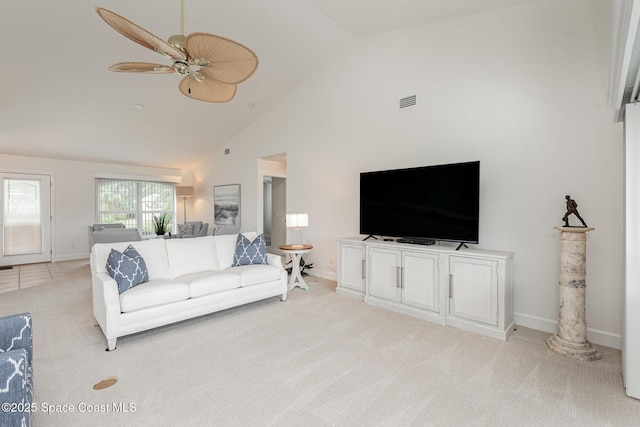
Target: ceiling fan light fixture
{"points": [[181, 67], [198, 76], [201, 62]]}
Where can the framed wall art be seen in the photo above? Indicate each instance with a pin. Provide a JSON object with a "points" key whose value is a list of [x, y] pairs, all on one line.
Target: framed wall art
{"points": [[226, 205]]}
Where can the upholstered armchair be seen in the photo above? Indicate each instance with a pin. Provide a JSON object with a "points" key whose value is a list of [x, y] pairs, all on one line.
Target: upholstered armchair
{"points": [[16, 370]]}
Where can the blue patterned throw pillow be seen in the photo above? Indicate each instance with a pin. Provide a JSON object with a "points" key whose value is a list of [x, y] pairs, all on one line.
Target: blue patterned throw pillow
{"points": [[250, 253], [127, 268]]}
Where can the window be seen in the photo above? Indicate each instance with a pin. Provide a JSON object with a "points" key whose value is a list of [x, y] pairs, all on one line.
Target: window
{"points": [[134, 203]]}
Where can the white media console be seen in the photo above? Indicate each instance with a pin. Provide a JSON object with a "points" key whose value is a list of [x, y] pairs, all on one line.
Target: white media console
{"points": [[468, 289]]}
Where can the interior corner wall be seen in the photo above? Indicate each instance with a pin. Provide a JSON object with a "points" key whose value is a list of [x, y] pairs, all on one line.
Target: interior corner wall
{"points": [[73, 196], [521, 89]]}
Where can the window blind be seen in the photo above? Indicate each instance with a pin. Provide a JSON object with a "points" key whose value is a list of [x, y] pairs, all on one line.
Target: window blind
{"points": [[134, 203]]}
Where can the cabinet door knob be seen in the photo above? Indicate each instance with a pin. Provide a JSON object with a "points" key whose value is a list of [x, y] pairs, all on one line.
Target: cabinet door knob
{"points": [[450, 285], [364, 269]]}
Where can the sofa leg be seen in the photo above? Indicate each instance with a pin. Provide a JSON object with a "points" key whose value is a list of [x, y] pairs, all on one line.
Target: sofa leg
{"points": [[283, 298], [111, 344]]}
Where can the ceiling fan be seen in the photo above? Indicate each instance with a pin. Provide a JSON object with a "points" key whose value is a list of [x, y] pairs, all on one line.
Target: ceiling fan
{"points": [[212, 65]]}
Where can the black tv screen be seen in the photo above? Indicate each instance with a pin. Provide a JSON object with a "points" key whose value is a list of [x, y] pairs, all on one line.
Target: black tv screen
{"points": [[439, 202]]}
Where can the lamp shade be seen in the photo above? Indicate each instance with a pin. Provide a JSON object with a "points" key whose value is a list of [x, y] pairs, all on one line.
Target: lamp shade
{"points": [[184, 191], [297, 220]]}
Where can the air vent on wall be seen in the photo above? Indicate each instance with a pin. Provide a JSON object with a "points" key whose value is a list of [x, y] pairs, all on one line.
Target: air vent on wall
{"points": [[407, 101]]}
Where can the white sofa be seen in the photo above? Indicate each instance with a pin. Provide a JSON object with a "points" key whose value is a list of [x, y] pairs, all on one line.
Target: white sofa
{"points": [[187, 278]]}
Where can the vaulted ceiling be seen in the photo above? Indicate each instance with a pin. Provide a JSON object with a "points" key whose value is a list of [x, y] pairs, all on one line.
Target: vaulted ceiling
{"points": [[58, 99]]}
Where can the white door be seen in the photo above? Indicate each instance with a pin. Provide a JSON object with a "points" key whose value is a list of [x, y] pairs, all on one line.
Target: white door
{"points": [[25, 218]]}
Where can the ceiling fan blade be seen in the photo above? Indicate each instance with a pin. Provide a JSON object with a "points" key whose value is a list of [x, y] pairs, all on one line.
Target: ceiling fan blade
{"points": [[138, 34], [231, 62], [141, 67], [208, 90]]}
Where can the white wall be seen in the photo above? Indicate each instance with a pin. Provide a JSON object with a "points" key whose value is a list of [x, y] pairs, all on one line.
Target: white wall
{"points": [[73, 196], [522, 89]]}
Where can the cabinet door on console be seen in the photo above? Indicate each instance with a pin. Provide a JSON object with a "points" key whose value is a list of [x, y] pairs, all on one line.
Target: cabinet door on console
{"points": [[352, 266], [384, 273], [473, 291], [420, 280]]}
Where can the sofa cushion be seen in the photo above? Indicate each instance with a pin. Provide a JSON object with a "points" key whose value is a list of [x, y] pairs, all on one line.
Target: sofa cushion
{"points": [[187, 256], [250, 252], [210, 282], [153, 251], [256, 274], [152, 294], [226, 245], [127, 268]]}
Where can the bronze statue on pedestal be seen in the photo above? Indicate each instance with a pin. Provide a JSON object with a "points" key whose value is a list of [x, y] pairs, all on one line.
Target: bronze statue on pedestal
{"points": [[572, 208]]}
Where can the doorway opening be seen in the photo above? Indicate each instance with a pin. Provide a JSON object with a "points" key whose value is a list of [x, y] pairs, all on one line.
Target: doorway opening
{"points": [[272, 199]]}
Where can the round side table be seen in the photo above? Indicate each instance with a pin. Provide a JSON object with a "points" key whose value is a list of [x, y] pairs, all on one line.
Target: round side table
{"points": [[295, 252]]}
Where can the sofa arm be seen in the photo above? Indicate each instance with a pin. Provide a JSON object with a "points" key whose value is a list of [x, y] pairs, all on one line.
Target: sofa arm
{"points": [[106, 303], [15, 333], [275, 260], [16, 388]]}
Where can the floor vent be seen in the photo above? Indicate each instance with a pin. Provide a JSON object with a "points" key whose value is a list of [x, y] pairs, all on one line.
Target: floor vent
{"points": [[408, 101]]}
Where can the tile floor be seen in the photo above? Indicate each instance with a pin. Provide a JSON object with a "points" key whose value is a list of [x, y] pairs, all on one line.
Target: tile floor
{"points": [[24, 276]]}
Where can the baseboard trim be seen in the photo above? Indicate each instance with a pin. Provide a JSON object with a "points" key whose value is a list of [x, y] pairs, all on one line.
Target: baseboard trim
{"points": [[596, 336], [329, 275], [69, 257]]}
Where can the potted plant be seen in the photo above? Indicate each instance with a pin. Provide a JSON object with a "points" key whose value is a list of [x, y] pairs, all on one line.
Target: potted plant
{"points": [[161, 223]]}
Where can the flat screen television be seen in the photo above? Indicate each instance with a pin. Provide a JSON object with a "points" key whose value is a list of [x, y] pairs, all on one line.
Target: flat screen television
{"points": [[422, 204]]}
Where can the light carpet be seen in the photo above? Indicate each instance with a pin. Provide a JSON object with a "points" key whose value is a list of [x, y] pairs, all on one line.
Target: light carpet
{"points": [[318, 359]]}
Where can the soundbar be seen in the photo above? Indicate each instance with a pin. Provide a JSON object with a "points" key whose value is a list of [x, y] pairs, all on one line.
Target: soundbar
{"points": [[416, 241]]}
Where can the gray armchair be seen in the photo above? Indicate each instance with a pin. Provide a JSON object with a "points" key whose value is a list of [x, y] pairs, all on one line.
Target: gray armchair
{"points": [[16, 370]]}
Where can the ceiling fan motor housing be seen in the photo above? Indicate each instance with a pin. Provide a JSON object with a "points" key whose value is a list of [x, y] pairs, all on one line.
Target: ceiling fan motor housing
{"points": [[178, 41]]}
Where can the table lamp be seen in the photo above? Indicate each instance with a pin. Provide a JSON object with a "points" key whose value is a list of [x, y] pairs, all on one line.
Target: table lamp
{"points": [[296, 221]]}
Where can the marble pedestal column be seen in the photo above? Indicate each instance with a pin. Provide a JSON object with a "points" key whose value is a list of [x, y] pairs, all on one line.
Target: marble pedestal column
{"points": [[571, 338]]}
